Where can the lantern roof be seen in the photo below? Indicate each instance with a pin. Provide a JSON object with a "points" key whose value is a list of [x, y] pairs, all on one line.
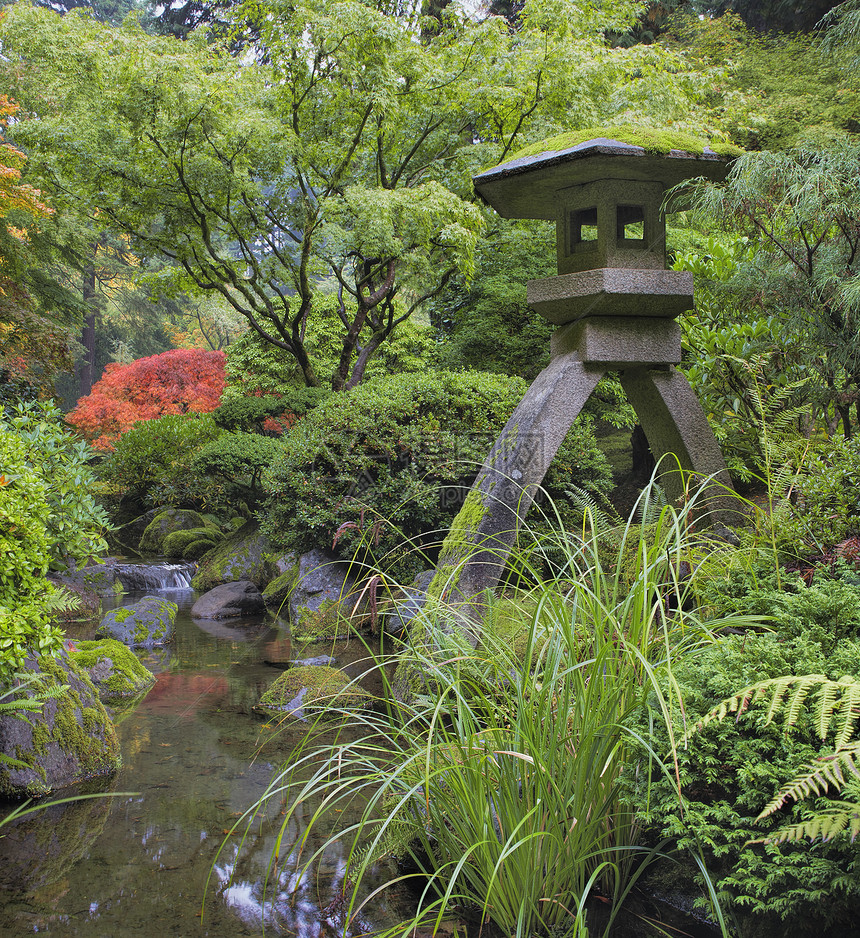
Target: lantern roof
{"points": [[528, 184]]}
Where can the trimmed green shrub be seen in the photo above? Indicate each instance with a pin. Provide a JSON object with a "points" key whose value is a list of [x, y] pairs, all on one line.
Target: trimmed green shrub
{"points": [[250, 414], [388, 464], [237, 461], [151, 464]]}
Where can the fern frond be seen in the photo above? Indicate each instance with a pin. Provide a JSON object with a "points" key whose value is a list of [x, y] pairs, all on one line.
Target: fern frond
{"points": [[848, 706], [603, 516], [825, 824], [788, 697], [58, 599], [816, 778]]}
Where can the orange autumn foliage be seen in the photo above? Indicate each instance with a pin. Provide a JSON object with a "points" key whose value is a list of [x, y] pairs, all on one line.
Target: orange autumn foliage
{"points": [[175, 382], [13, 193]]}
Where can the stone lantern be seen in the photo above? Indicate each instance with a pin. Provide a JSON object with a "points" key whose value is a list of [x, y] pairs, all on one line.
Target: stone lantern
{"points": [[615, 305]]}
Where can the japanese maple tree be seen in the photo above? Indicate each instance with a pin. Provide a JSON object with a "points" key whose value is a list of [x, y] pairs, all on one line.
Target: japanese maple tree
{"points": [[178, 381]]}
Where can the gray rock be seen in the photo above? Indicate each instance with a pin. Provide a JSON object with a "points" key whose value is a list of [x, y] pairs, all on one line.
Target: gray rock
{"points": [[70, 740], [323, 601], [100, 578], [407, 606], [146, 624], [229, 600], [318, 661]]}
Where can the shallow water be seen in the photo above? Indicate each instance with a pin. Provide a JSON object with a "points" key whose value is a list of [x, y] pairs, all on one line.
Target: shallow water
{"points": [[194, 759]]}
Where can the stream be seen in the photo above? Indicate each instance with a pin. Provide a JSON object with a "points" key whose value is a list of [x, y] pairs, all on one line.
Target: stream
{"points": [[194, 758]]}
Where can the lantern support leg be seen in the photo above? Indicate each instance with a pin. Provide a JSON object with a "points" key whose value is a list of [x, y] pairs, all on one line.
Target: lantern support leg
{"points": [[679, 436], [477, 547]]}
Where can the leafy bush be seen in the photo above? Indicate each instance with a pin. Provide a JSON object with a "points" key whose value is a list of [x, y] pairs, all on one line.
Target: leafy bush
{"points": [[238, 461], [826, 610], [730, 770], [824, 507], [175, 382], [44, 499], [151, 464], [391, 461], [75, 524], [256, 414]]}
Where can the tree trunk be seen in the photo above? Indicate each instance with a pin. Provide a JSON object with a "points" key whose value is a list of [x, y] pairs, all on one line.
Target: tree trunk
{"points": [[86, 367], [845, 414], [361, 362]]}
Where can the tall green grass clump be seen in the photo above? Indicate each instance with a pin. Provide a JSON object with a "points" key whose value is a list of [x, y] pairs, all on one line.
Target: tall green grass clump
{"points": [[498, 784]]}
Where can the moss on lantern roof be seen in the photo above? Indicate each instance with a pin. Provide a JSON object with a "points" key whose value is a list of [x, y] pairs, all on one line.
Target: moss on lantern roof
{"points": [[660, 141]]}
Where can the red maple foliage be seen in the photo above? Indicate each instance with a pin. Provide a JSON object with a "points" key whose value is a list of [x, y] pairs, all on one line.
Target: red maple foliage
{"points": [[175, 382]]}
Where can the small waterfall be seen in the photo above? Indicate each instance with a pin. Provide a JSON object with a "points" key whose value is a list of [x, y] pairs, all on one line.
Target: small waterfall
{"points": [[162, 576]]}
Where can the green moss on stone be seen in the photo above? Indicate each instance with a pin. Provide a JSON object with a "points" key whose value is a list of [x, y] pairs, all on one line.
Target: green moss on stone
{"points": [[84, 731], [196, 549], [177, 543], [457, 543], [128, 677], [660, 141], [166, 523], [277, 592], [244, 556], [324, 687], [328, 623]]}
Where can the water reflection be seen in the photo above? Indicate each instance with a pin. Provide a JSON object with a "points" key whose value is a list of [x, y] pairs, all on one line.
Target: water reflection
{"points": [[194, 755]]}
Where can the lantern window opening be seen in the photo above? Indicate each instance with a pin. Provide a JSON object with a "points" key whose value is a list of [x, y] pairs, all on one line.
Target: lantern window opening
{"points": [[583, 228], [630, 225]]}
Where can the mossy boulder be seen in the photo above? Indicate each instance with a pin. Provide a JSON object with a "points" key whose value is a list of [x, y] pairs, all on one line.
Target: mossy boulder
{"points": [[114, 669], [276, 594], [99, 578], [309, 690], [70, 740], [196, 541], [327, 601], [167, 522], [197, 549], [246, 555], [146, 624]]}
